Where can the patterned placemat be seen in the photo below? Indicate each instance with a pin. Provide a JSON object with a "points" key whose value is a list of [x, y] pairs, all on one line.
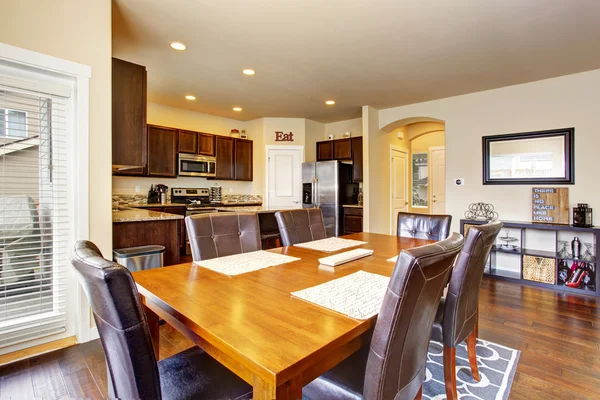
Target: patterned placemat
{"points": [[330, 244], [358, 295], [245, 262]]}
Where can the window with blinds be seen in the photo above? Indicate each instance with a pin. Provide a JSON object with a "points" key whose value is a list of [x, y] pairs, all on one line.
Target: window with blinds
{"points": [[34, 212]]}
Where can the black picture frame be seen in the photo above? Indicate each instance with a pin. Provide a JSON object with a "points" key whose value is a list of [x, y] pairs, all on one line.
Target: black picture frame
{"points": [[569, 174]]}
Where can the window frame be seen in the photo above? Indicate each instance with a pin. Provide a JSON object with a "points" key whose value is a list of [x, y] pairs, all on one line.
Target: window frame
{"points": [[412, 179], [6, 129]]}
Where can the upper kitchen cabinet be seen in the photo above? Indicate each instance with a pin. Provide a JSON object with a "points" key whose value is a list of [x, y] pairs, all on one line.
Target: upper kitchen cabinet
{"points": [[357, 159], [196, 143], [325, 150], [129, 144], [188, 142], [162, 151], [206, 144], [243, 160], [225, 153], [342, 149]]}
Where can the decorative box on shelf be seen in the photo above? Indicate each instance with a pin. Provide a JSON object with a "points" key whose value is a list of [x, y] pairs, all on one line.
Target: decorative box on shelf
{"points": [[541, 254]]}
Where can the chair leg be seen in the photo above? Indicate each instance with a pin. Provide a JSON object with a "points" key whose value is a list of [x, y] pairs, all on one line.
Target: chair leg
{"points": [[450, 372], [471, 342], [419, 395]]}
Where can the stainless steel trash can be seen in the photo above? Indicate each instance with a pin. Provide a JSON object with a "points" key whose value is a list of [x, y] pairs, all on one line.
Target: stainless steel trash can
{"points": [[140, 258]]}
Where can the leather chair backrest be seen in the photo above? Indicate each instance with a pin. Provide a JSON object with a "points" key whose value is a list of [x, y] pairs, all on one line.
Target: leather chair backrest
{"points": [[300, 226], [397, 358], [121, 323], [222, 234], [460, 309], [424, 226]]}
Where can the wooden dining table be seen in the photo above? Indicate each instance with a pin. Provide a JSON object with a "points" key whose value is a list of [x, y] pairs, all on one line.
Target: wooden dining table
{"points": [[251, 323]]}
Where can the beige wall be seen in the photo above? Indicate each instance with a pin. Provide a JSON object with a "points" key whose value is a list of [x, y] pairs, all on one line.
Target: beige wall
{"points": [[568, 101], [78, 31], [337, 129], [314, 132]]}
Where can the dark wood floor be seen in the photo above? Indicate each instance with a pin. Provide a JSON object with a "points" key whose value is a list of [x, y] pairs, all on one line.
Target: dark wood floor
{"points": [[558, 335]]}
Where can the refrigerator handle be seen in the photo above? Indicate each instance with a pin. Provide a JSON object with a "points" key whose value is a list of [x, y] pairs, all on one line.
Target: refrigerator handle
{"points": [[312, 192], [317, 205]]}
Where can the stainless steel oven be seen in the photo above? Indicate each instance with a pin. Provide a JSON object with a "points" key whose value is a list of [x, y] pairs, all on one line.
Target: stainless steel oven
{"points": [[193, 165]]}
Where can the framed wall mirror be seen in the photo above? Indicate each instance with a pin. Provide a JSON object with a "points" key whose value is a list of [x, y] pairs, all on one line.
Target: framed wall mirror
{"points": [[530, 158]]}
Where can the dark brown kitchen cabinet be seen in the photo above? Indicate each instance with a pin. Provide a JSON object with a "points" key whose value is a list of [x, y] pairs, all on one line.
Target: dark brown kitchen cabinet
{"points": [[206, 144], [243, 160], [162, 151], [325, 150], [342, 149], [353, 220], [196, 143], [188, 142], [357, 159], [225, 153], [129, 142]]}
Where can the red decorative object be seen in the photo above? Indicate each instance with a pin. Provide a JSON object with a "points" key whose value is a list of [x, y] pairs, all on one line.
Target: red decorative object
{"points": [[284, 137]]}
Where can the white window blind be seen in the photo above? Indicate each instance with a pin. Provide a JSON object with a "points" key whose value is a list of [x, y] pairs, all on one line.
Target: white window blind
{"points": [[34, 211]]}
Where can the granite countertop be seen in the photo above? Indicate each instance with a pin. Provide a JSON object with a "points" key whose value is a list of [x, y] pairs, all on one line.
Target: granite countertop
{"points": [[146, 205], [352, 205], [256, 209], [139, 215]]}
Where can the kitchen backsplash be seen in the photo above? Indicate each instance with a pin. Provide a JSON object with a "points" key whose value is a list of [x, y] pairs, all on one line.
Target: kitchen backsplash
{"points": [[229, 198]]}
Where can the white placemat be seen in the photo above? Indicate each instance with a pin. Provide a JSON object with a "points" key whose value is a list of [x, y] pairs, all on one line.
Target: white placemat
{"points": [[393, 259], [330, 244], [245, 262], [358, 295]]}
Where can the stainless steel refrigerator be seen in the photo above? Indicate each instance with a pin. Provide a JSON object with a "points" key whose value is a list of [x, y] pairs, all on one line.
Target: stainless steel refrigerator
{"points": [[324, 186]]}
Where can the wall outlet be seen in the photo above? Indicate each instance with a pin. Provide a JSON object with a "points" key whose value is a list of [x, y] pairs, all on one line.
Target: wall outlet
{"points": [[137, 189], [230, 190], [459, 182]]}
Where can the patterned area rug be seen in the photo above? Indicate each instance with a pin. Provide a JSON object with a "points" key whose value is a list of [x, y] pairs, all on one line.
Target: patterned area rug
{"points": [[497, 366]]}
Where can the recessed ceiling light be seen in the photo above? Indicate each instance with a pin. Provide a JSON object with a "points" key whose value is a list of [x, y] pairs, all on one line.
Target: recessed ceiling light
{"points": [[178, 46], [238, 109], [248, 72], [190, 97], [330, 102]]}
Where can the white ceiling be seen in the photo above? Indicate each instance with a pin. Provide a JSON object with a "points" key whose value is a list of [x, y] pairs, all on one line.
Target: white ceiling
{"points": [[382, 53]]}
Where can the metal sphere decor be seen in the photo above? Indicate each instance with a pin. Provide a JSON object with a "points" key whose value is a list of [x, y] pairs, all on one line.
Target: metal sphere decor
{"points": [[481, 211]]}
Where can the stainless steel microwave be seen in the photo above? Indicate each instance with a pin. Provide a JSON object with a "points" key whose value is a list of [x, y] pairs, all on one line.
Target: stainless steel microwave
{"points": [[193, 165]]}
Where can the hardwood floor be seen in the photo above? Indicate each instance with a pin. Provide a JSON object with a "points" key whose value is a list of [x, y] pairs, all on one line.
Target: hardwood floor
{"points": [[558, 335]]}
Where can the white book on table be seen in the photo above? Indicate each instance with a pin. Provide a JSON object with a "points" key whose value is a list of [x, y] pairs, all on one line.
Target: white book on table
{"points": [[346, 256]]}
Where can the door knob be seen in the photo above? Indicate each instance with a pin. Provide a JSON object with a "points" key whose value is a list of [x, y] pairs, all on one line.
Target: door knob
{"points": [[295, 202]]}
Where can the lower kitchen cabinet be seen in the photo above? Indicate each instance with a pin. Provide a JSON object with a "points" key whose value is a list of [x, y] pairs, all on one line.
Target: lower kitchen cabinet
{"points": [[159, 232], [353, 220]]}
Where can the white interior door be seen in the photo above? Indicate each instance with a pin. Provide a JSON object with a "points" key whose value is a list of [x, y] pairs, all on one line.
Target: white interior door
{"points": [[284, 177], [438, 181], [398, 185]]}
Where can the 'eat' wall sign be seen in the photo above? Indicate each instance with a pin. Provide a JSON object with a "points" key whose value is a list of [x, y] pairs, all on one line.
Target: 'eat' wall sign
{"points": [[550, 205], [284, 137]]}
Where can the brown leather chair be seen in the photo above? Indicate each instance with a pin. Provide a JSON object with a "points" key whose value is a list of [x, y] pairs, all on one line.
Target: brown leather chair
{"points": [[222, 234], [424, 226], [456, 319], [300, 226], [133, 372], [394, 366]]}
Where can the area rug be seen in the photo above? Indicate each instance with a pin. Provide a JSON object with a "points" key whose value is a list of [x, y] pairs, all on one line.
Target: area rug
{"points": [[497, 365]]}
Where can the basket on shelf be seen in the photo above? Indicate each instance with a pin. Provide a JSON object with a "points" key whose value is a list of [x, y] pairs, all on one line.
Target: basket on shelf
{"points": [[539, 269]]}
